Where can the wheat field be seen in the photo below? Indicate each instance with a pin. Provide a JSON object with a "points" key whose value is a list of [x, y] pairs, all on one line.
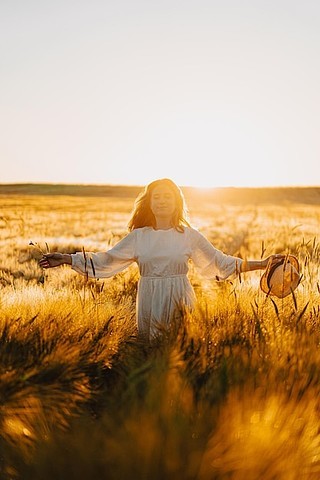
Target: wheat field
{"points": [[232, 393]]}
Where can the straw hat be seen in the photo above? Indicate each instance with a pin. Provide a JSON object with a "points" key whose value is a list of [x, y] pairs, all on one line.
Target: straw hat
{"points": [[281, 276]]}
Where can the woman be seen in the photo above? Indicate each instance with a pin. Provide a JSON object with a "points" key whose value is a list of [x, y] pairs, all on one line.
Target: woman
{"points": [[161, 241]]}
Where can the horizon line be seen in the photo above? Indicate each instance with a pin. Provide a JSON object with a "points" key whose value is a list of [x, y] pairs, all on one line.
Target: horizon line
{"points": [[119, 185]]}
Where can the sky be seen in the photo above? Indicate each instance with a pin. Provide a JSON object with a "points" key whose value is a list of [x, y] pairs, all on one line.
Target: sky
{"points": [[210, 93]]}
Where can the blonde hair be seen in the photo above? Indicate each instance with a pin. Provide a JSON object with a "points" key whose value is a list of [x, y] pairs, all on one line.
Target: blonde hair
{"points": [[142, 215]]}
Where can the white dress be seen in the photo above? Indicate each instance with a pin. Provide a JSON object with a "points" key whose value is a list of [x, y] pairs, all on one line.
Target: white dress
{"points": [[162, 257]]}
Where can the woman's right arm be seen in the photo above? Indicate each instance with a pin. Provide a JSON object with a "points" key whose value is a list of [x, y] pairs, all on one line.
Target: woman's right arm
{"points": [[99, 264], [50, 260]]}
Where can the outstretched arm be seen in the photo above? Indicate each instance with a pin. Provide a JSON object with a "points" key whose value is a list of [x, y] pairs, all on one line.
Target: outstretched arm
{"points": [[213, 263], [250, 265], [50, 260], [99, 264]]}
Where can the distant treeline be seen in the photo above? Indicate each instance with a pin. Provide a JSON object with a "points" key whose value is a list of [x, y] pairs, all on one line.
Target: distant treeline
{"points": [[69, 190], [308, 195]]}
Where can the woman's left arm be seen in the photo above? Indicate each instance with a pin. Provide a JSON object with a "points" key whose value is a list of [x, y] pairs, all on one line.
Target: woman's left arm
{"points": [[250, 265], [213, 263]]}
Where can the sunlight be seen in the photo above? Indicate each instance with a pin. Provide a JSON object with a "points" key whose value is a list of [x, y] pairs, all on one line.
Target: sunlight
{"points": [[224, 150]]}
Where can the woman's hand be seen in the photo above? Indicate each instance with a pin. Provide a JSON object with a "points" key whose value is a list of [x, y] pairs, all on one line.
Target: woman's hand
{"points": [[50, 260], [250, 265], [272, 259]]}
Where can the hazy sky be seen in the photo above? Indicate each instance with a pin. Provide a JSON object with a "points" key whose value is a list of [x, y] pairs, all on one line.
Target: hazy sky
{"points": [[206, 92]]}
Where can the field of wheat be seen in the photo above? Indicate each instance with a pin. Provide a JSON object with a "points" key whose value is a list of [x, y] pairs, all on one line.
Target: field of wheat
{"points": [[232, 393]]}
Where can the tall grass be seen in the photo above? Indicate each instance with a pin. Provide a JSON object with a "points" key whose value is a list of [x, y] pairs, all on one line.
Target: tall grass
{"points": [[230, 393]]}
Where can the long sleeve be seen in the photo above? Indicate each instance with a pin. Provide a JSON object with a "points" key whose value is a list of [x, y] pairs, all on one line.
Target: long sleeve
{"points": [[106, 264], [211, 262]]}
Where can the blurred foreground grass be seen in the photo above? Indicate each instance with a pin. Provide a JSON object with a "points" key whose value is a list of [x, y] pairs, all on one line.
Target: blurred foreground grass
{"points": [[233, 393]]}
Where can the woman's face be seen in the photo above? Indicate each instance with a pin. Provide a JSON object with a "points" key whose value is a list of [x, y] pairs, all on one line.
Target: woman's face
{"points": [[162, 202]]}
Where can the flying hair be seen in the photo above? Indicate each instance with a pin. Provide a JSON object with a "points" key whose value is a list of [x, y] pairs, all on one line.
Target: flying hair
{"points": [[142, 215]]}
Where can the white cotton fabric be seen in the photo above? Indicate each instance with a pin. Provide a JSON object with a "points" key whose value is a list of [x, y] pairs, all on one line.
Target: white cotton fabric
{"points": [[162, 257]]}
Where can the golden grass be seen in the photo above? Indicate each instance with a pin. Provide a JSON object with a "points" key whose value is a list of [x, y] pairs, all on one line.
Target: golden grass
{"points": [[232, 393]]}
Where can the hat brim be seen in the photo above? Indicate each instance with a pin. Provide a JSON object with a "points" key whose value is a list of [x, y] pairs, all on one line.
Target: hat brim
{"points": [[285, 288]]}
